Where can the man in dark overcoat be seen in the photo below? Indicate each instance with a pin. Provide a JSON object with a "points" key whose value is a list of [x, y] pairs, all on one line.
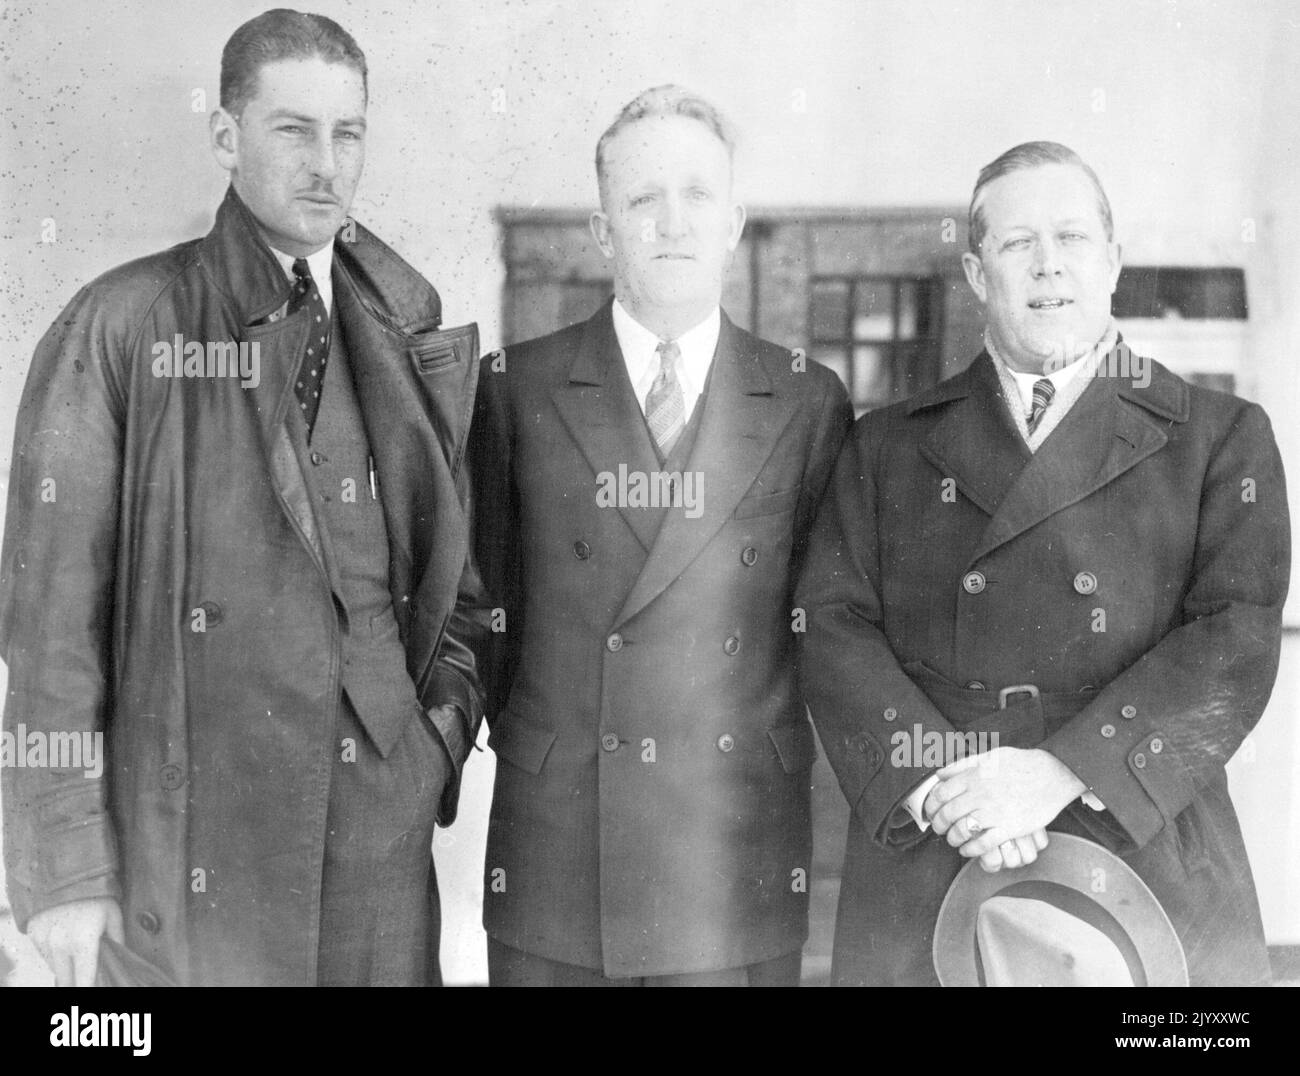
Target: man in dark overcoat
{"points": [[236, 554], [1066, 558]]}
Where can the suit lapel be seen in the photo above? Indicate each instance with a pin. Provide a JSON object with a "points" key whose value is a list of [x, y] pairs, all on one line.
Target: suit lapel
{"points": [[975, 442], [1101, 438], [742, 420], [601, 413]]}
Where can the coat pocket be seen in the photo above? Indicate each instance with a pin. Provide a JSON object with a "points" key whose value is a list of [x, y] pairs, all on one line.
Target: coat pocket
{"points": [[521, 743], [795, 745], [768, 503]]}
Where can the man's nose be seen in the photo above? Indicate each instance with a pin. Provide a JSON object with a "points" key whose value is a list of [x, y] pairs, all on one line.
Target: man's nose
{"points": [[672, 221], [1047, 258], [323, 162]]}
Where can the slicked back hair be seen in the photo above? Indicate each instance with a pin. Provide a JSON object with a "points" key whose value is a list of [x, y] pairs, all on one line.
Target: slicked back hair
{"points": [[1031, 155], [282, 34], [667, 100]]}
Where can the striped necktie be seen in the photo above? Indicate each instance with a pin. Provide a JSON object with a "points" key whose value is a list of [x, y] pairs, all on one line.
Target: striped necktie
{"points": [[665, 406], [1044, 390]]}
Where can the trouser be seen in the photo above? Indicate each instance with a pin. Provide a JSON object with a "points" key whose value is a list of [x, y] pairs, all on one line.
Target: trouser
{"points": [[380, 918], [513, 967]]}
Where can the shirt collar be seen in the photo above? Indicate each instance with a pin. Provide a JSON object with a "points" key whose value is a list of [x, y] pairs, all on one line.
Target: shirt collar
{"points": [[1059, 378], [319, 264], [640, 352]]}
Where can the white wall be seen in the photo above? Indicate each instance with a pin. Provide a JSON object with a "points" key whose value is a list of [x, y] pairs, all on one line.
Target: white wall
{"points": [[1187, 111]]}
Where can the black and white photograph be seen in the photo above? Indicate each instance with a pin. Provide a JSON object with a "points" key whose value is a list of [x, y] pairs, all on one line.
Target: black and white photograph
{"points": [[689, 493]]}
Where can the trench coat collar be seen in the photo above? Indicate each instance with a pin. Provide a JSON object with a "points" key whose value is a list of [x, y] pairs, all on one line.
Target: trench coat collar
{"points": [[743, 419], [1112, 427], [240, 263]]}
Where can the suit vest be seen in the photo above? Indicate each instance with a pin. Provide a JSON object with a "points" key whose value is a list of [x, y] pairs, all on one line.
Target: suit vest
{"points": [[337, 464]]}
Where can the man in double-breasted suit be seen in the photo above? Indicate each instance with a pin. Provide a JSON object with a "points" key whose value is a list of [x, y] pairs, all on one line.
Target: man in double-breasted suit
{"points": [[645, 485], [1068, 559]]}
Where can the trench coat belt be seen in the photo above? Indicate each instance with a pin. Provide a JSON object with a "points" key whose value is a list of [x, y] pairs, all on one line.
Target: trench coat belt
{"points": [[1021, 714]]}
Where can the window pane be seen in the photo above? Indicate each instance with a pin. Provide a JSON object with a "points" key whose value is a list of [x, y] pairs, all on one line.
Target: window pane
{"points": [[873, 314], [830, 309], [836, 359], [871, 380], [907, 296]]}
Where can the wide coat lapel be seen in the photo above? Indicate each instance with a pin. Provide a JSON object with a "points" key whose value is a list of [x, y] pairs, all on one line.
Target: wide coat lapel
{"points": [[975, 443], [601, 413], [744, 417]]}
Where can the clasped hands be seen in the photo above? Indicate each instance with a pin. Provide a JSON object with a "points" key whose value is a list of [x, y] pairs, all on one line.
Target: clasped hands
{"points": [[996, 805]]}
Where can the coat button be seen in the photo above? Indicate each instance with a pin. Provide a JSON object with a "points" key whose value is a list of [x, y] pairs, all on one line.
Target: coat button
{"points": [[975, 685], [890, 714], [1108, 731], [317, 459], [1140, 760], [726, 742], [1085, 583], [614, 643], [1128, 713], [581, 550], [973, 582], [609, 742], [212, 612], [732, 645], [171, 776], [749, 556], [148, 922], [1157, 745]]}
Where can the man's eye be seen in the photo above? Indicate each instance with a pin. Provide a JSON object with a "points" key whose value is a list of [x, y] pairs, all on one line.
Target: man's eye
{"points": [[293, 128], [642, 199], [1073, 236], [699, 195], [1016, 244], [351, 136]]}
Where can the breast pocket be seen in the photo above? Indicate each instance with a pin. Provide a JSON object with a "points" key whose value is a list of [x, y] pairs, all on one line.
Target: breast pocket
{"points": [[765, 504]]}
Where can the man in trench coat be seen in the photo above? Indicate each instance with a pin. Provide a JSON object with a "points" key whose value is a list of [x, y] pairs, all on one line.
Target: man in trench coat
{"points": [[650, 821], [235, 542], [1068, 551]]}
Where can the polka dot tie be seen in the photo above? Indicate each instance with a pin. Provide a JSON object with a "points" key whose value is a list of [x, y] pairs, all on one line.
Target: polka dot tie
{"points": [[311, 374]]}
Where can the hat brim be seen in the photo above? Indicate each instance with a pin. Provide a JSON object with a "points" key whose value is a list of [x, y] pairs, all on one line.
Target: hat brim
{"points": [[1116, 898]]}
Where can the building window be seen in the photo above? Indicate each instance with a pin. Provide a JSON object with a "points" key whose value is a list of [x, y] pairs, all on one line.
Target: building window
{"points": [[880, 334]]}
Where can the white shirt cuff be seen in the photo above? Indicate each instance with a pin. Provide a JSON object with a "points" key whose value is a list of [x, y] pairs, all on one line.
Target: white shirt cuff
{"points": [[1092, 801], [915, 803]]}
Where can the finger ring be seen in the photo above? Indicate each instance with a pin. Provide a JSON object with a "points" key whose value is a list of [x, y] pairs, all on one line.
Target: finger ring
{"points": [[973, 824]]}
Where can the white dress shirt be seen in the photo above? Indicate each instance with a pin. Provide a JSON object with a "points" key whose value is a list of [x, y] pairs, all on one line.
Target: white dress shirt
{"points": [[319, 264], [640, 355]]}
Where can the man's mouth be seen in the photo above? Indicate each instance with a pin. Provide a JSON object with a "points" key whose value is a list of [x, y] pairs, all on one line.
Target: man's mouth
{"points": [[675, 256], [319, 199], [1049, 304]]}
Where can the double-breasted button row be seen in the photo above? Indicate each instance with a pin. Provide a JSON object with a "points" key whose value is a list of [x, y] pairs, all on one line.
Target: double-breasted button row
{"points": [[614, 643], [749, 556], [974, 582], [609, 741]]}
